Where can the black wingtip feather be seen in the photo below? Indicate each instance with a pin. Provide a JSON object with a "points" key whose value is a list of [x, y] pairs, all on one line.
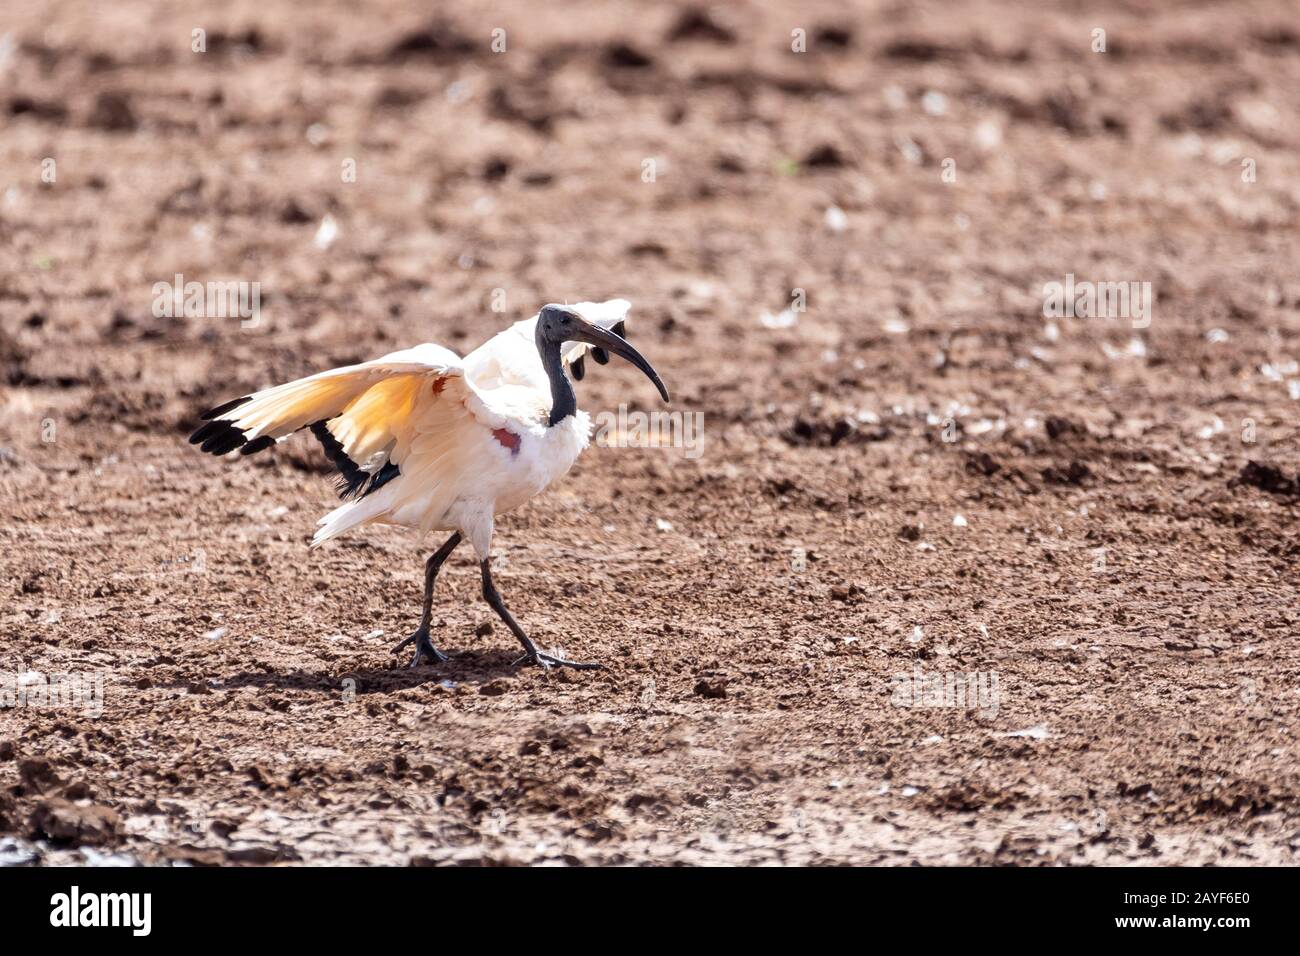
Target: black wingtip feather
{"points": [[257, 444], [230, 406], [208, 430], [218, 438], [223, 442]]}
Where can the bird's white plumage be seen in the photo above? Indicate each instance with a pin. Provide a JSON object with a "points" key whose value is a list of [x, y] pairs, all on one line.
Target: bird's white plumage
{"points": [[447, 423]]}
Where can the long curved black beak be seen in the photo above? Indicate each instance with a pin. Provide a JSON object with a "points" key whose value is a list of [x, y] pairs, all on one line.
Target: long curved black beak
{"points": [[596, 336]]}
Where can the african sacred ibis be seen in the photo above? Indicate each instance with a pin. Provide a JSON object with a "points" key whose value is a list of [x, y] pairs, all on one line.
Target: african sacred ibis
{"points": [[427, 440]]}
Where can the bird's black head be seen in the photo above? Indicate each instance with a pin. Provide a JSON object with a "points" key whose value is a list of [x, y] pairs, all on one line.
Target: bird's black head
{"points": [[557, 324]]}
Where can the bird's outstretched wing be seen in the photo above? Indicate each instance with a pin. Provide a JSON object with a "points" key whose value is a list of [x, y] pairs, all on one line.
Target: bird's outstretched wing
{"points": [[367, 417]]}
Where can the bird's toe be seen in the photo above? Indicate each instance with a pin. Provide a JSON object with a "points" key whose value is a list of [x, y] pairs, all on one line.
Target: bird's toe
{"points": [[547, 661], [424, 650]]}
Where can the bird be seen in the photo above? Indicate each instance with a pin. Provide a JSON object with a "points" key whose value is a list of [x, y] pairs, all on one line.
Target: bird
{"points": [[427, 440]]}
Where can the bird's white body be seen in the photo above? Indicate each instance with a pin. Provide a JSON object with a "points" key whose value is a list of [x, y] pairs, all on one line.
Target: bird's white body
{"points": [[470, 437]]}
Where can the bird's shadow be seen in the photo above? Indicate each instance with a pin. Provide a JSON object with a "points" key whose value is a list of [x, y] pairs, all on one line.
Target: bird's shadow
{"points": [[468, 667]]}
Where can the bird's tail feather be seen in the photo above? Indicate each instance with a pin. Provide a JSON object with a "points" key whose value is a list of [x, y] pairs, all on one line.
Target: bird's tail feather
{"points": [[346, 517]]}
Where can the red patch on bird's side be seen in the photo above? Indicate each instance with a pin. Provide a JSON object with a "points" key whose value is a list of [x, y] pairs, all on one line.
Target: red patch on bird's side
{"points": [[438, 385], [507, 438]]}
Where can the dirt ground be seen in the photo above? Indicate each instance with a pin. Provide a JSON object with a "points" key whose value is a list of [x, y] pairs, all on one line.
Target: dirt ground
{"points": [[919, 475]]}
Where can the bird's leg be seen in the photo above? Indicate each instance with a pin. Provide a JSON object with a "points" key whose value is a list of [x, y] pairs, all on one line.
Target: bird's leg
{"points": [[423, 646], [531, 654]]}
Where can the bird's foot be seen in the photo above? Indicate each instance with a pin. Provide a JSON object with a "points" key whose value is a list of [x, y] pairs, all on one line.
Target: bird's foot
{"points": [[424, 649], [547, 661]]}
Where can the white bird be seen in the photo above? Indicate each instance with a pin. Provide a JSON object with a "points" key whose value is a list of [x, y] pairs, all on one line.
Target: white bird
{"points": [[430, 441]]}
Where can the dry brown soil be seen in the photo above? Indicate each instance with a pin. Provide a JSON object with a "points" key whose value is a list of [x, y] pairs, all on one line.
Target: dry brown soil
{"points": [[1120, 568]]}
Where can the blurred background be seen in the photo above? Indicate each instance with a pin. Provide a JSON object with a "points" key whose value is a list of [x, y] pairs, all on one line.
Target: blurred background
{"points": [[836, 223]]}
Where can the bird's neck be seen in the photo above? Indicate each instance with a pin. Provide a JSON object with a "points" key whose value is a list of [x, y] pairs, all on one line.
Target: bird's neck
{"points": [[563, 402]]}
